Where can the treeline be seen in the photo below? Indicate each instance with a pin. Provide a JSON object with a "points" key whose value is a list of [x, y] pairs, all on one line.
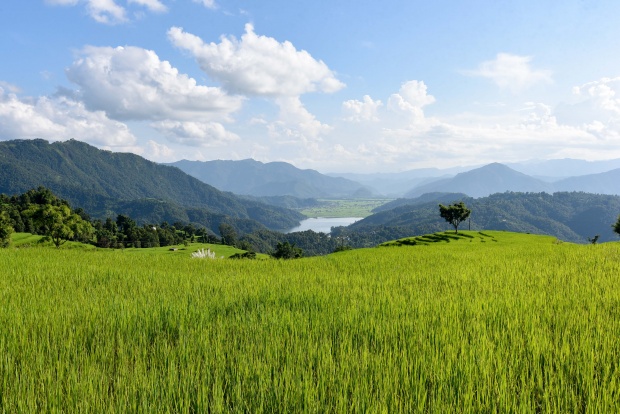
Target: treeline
{"points": [[41, 212], [569, 216]]}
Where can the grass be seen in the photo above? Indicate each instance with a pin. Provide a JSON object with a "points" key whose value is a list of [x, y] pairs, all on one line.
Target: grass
{"points": [[27, 240], [522, 324], [470, 237], [330, 208]]}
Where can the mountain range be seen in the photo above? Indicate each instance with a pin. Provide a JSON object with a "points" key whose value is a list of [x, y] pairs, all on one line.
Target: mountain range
{"points": [[254, 178], [105, 183], [250, 177], [499, 178], [547, 175]]}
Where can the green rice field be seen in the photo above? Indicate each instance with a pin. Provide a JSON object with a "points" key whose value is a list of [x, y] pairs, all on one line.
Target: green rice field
{"points": [[488, 322], [330, 208]]}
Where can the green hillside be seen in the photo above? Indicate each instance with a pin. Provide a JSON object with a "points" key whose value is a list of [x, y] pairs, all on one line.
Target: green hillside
{"points": [[517, 323], [573, 217], [106, 183]]}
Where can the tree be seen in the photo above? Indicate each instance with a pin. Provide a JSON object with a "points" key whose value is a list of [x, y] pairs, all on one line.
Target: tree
{"points": [[617, 226], [5, 229], [228, 233], [454, 214], [287, 251], [59, 223]]}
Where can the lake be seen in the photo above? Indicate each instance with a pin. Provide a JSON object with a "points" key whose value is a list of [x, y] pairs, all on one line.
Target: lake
{"points": [[322, 224]]}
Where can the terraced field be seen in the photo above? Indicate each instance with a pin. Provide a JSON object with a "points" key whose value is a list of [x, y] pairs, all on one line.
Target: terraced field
{"points": [[482, 322]]}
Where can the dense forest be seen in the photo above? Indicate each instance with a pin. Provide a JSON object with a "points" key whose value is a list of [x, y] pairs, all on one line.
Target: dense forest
{"points": [[576, 217], [40, 211], [107, 184], [569, 216]]}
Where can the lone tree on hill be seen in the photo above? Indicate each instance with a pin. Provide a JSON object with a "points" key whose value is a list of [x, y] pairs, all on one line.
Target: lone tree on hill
{"points": [[617, 226], [454, 214]]}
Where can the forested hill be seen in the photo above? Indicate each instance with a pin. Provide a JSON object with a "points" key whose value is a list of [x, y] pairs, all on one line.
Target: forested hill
{"points": [[573, 217], [250, 177], [98, 180]]}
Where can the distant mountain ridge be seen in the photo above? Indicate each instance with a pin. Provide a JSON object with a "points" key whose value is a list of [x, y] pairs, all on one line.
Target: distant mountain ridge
{"points": [[250, 177], [498, 178], [545, 171], [104, 182], [483, 181]]}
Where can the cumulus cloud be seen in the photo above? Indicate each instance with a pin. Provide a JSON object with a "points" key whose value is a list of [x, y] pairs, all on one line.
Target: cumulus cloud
{"points": [[539, 116], [258, 65], [296, 123], [57, 119], [359, 111], [511, 72], [205, 134], [602, 94], [410, 100], [131, 83]]}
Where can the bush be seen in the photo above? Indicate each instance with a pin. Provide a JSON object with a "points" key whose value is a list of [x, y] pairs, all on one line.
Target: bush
{"points": [[287, 251], [246, 255]]}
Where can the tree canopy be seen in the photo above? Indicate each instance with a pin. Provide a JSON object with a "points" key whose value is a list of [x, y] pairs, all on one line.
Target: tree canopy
{"points": [[616, 226], [59, 223], [5, 229], [454, 214]]}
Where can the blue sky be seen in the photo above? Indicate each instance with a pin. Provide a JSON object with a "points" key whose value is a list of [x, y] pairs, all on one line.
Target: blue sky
{"points": [[337, 86]]}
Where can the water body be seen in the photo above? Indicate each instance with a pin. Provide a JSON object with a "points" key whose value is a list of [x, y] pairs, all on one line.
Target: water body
{"points": [[322, 224]]}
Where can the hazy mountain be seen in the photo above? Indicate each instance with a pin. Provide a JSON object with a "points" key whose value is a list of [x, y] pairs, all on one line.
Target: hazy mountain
{"points": [[602, 183], [103, 182], [397, 184], [483, 181], [563, 168], [250, 177]]}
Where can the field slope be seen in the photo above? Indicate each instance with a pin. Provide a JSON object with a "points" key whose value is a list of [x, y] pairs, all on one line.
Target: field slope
{"points": [[519, 324]]}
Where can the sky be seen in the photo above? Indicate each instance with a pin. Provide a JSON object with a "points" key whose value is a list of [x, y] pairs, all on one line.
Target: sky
{"points": [[336, 86]]}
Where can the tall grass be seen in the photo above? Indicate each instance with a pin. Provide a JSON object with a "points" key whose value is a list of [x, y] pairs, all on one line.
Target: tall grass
{"points": [[521, 325]]}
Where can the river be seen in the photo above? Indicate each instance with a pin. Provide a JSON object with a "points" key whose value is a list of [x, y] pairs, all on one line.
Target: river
{"points": [[322, 224]]}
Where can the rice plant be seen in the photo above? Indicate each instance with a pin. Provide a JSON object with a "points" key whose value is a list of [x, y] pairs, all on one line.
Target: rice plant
{"points": [[521, 324]]}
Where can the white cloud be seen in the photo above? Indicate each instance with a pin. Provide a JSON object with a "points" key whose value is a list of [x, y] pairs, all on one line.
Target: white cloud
{"points": [[109, 11], [106, 11], [410, 100], [603, 94], [359, 111], [539, 116], [131, 83], [258, 65], [62, 2], [153, 5], [511, 72], [209, 4], [296, 124], [204, 134], [58, 119], [9, 87]]}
